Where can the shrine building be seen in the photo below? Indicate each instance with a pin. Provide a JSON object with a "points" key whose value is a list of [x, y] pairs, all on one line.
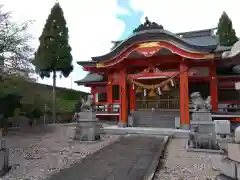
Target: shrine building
{"points": [[155, 70]]}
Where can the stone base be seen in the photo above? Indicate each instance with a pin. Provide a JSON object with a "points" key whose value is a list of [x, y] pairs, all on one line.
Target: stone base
{"points": [[130, 121], [177, 123], [87, 131], [234, 152], [192, 149], [185, 126], [229, 168], [203, 142], [238, 170], [122, 124]]}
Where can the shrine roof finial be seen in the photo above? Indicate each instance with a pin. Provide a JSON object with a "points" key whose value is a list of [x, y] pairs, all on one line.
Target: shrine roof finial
{"points": [[146, 19], [147, 25]]}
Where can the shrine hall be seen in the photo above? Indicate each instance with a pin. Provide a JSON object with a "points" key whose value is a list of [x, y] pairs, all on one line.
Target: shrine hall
{"points": [[154, 71]]}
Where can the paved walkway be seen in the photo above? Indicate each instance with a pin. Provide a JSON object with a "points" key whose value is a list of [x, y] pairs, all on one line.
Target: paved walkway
{"points": [[127, 159]]}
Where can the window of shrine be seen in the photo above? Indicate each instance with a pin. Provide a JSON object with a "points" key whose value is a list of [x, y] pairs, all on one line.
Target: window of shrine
{"points": [[228, 95], [101, 97]]}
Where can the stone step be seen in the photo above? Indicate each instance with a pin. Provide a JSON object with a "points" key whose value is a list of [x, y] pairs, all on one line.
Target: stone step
{"points": [[145, 130], [161, 119]]}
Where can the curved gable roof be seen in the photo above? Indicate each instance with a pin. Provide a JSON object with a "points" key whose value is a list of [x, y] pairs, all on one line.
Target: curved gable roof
{"points": [[156, 35]]}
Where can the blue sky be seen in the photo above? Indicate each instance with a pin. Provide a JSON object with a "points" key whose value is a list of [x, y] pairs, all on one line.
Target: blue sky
{"points": [[93, 24], [131, 19]]}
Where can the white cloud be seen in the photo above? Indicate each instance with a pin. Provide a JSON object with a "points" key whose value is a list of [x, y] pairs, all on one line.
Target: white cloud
{"points": [[92, 26], [187, 15]]}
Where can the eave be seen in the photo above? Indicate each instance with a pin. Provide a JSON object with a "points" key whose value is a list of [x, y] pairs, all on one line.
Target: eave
{"points": [[86, 63], [90, 83]]}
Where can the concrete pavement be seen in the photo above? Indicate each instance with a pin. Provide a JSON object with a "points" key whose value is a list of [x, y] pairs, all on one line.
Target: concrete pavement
{"points": [[130, 158]]}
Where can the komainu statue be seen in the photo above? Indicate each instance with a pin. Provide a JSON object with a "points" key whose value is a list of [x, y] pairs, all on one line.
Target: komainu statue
{"points": [[89, 104], [199, 104]]}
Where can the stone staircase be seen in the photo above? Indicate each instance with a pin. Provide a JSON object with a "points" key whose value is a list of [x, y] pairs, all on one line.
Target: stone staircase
{"points": [[157, 118]]}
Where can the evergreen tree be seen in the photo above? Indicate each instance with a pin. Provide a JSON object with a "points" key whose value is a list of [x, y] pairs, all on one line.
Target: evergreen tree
{"points": [[226, 33], [54, 53]]}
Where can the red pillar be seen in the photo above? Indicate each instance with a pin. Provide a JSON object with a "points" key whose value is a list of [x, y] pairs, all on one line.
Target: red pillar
{"points": [[132, 99], [213, 87], [123, 119], [184, 96], [109, 93], [93, 92]]}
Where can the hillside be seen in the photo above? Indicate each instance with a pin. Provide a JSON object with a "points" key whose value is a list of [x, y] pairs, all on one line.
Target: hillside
{"points": [[36, 96], [65, 98], [65, 93]]}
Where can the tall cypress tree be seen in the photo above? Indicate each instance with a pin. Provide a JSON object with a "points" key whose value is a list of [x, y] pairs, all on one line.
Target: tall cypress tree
{"points": [[54, 53], [226, 33]]}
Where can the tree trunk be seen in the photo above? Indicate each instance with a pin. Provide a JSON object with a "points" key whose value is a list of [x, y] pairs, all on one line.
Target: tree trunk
{"points": [[54, 98]]}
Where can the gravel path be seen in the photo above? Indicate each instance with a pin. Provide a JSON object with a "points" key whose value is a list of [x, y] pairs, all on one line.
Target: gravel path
{"points": [[37, 154], [178, 164]]}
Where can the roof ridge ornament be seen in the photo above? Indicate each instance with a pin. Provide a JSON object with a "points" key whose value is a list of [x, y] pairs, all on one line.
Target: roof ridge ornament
{"points": [[147, 25]]}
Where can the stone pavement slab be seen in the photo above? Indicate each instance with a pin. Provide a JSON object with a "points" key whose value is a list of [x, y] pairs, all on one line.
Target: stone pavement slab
{"points": [[127, 159]]}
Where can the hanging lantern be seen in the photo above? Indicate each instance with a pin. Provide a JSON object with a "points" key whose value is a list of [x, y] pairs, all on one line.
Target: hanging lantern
{"points": [[145, 92], [152, 93], [159, 91], [166, 87], [172, 83], [139, 90]]}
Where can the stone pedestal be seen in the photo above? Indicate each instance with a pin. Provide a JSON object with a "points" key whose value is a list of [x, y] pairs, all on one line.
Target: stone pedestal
{"points": [[201, 116], [87, 128], [230, 163], [202, 134], [203, 126], [204, 122]]}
